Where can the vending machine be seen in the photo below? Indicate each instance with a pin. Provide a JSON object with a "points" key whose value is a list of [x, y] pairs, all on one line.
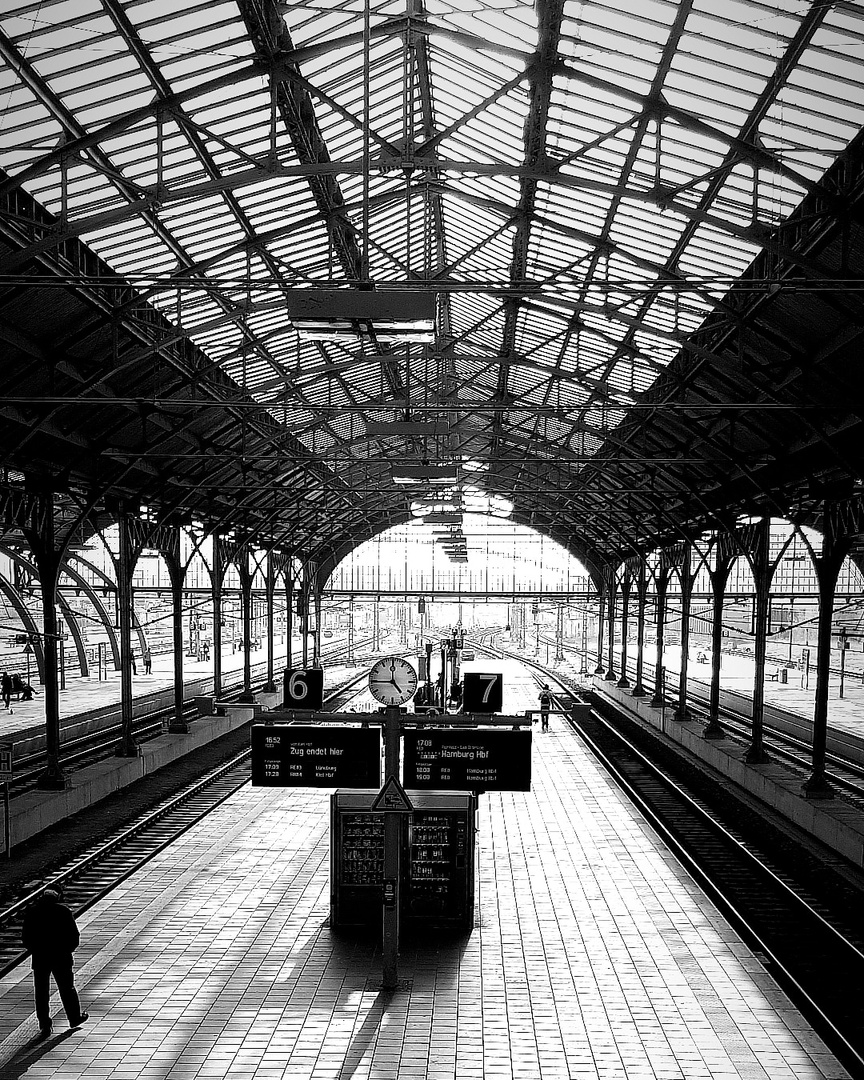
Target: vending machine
{"points": [[437, 860]]}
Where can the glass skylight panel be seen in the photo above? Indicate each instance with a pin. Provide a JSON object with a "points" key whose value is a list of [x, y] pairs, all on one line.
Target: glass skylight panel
{"points": [[830, 122], [88, 28], [478, 315], [469, 226], [265, 201], [488, 262], [725, 57]]}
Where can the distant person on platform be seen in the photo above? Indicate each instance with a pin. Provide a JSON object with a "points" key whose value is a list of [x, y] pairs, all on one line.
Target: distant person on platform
{"points": [[148, 660], [545, 706], [6, 687], [132, 661], [23, 689], [50, 934]]}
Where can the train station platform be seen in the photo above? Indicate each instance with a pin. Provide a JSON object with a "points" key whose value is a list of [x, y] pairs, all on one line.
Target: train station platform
{"points": [[594, 957], [84, 697], [22, 728], [796, 695]]}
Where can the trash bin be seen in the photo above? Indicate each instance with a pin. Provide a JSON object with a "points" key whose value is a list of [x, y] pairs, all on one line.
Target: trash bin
{"points": [[784, 675]]}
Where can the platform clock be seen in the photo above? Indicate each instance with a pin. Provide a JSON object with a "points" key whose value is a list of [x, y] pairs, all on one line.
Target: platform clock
{"points": [[392, 681]]}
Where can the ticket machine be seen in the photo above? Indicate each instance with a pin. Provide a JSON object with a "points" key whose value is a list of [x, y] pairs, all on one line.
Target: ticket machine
{"points": [[437, 860]]}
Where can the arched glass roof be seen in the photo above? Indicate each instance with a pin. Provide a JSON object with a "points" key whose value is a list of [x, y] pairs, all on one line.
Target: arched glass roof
{"points": [[581, 187]]}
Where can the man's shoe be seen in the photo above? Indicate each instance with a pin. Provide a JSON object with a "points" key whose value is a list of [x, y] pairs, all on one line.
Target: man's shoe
{"points": [[45, 1032], [82, 1019]]}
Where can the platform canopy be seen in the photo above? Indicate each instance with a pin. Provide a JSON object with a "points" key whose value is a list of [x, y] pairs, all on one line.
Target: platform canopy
{"points": [[262, 264]]}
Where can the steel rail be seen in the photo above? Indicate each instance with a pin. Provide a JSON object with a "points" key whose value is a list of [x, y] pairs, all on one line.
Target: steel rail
{"points": [[848, 1050], [852, 1053], [92, 747], [234, 772], [736, 725]]}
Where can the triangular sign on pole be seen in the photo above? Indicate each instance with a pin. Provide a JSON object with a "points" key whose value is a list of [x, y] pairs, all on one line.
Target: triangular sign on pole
{"points": [[392, 797]]}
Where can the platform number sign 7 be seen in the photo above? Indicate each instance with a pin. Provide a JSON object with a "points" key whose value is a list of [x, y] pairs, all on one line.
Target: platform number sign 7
{"points": [[303, 688], [482, 693]]}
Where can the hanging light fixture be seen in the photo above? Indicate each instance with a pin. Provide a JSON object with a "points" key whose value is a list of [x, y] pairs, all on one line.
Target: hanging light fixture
{"points": [[425, 474], [335, 314]]}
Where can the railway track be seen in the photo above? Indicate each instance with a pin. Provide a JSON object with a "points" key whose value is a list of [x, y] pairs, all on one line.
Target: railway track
{"points": [[86, 749], [804, 925], [101, 868], [783, 742], [800, 915]]}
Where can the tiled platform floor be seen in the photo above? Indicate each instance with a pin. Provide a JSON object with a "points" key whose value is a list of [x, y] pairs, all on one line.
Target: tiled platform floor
{"points": [[594, 956]]}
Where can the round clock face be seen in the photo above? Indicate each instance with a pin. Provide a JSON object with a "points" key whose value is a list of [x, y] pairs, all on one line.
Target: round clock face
{"points": [[392, 681]]}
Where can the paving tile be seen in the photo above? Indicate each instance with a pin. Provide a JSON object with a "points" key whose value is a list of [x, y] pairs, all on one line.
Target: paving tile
{"points": [[594, 956]]}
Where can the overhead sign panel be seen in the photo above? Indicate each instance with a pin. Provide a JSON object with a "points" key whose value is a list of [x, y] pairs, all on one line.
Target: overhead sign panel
{"points": [[303, 688], [482, 693], [478, 760], [305, 756]]}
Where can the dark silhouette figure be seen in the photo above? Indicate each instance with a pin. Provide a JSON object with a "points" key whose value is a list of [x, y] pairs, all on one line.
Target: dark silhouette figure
{"points": [[23, 689], [50, 934], [132, 661], [545, 706], [6, 687], [148, 660]]}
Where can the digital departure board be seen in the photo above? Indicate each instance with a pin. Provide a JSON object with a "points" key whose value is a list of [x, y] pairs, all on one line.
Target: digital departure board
{"points": [[289, 755], [479, 760]]}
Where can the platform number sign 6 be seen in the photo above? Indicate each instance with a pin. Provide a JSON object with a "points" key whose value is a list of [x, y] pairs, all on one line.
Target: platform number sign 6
{"points": [[482, 693], [304, 688]]}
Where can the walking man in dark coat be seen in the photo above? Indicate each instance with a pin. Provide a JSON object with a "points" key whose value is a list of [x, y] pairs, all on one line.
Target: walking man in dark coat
{"points": [[50, 934]]}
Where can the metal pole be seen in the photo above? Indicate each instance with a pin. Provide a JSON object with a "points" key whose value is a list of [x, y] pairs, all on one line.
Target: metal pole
{"points": [[127, 746], [7, 829], [216, 586], [757, 755], [289, 615], [392, 829], [842, 659], [246, 622], [177, 722], [270, 686], [661, 684]]}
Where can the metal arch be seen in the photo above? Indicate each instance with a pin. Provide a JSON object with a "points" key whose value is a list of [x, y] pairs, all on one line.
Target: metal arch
{"points": [[75, 631], [309, 532], [720, 329], [11, 594], [82, 583], [189, 376]]}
